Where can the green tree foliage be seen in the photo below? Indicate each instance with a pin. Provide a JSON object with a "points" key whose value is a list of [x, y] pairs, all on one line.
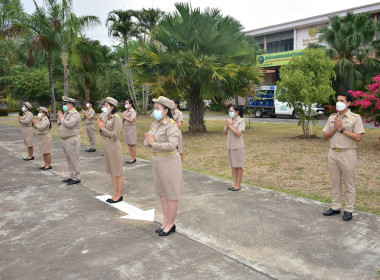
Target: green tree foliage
{"points": [[306, 80], [202, 54], [10, 10], [350, 43]]}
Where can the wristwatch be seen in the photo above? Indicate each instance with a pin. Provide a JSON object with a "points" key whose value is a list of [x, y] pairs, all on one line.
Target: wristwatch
{"points": [[342, 130]]}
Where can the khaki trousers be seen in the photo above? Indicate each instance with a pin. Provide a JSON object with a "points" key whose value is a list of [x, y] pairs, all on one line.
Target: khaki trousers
{"points": [[342, 164], [91, 134], [71, 149]]}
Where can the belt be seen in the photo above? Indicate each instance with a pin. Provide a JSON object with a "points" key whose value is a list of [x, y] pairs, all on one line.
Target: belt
{"points": [[69, 137], [89, 123], [165, 154], [108, 138], [340, 149]]}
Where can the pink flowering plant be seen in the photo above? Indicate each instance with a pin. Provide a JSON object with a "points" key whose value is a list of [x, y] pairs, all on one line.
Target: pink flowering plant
{"points": [[369, 103]]}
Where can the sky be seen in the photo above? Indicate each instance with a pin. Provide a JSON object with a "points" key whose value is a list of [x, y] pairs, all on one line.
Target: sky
{"points": [[251, 14]]}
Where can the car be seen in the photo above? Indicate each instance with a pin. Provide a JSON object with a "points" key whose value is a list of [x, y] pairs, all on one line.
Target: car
{"points": [[183, 104]]}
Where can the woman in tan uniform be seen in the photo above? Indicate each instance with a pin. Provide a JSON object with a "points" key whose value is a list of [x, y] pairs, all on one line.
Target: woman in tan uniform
{"points": [[44, 138], [26, 122], [167, 164], [130, 131], [178, 118], [235, 144], [110, 128]]}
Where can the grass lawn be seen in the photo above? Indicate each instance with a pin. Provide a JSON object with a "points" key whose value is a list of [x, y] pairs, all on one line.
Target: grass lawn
{"points": [[275, 158]]}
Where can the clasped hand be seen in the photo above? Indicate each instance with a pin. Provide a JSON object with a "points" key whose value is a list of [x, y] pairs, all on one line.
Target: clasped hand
{"points": [[337, 124], [149, 139]]}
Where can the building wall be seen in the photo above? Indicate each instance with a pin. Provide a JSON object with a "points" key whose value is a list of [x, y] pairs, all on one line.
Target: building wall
{"points": [[306, 36]]}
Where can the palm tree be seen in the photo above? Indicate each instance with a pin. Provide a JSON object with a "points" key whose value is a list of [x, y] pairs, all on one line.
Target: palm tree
{"points": [[148, 19], [122, 27], [350, 43], [201, 54]]}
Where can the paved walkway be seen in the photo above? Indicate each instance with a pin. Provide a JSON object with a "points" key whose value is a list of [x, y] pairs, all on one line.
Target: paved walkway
{"points": [[49, 230]]}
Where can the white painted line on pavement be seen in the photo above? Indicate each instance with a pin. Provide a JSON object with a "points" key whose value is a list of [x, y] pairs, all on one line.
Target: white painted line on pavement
{"points": [[133, 212]]}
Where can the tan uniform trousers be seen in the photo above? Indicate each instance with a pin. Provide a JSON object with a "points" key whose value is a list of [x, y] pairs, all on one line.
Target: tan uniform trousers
{"points": [[71, 147], [91, 134], [342, 164]]}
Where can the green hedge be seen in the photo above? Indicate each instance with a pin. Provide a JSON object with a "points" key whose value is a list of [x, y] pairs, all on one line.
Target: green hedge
{"points": [[3, 112]]}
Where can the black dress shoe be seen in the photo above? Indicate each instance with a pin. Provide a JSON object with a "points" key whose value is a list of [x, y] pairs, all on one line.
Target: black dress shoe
{"points": [[110, 200], [32, 158], [42, 167], [347, 216], [67, 180], [230, 188], [163, 233], [159, 230], [92, 150], [73, 182], [88, 150], [235, 189], [130, 162], [331, 212], [46, 168]]}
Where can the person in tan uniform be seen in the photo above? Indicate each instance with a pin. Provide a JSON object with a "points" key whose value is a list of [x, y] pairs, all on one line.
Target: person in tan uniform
{"points": [[42, 126], [130, 130], [167, 165], [110, 127], [69, 124], [26, 122], [343, 129], [89, 120], [234, 128], [178, 118]]}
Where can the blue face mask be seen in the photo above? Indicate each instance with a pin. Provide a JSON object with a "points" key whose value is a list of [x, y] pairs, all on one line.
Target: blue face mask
{"points": [[232, 114], [157, 114], [23, 109], [64, 108]]}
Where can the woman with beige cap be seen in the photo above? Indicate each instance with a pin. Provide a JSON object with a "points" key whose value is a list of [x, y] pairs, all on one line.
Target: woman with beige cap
{"points": [[42, 127], [110, 126], [26, 122], [130, 130], [167, 164]]}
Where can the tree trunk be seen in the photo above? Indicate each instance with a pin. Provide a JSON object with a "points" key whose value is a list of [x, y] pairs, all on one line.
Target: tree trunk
{"points": [[65, 74], [131, 87], [52, 95], [196, 111], [87, 84]]}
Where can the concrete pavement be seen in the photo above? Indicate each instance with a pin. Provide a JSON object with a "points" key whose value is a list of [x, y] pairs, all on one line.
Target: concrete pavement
{"points": [[49, 230]]}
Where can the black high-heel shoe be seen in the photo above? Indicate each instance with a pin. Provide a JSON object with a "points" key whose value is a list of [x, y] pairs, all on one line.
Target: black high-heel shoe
{"points": [[159, 230], [110, 200], [163, 233]]}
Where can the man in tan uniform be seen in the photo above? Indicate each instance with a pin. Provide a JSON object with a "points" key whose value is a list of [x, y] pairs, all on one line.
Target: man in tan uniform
{"points": [[89, 120], [69, 132], [344, 129]]}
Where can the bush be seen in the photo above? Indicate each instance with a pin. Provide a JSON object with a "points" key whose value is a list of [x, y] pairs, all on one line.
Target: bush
{"points": [[98, 110], [3, 112], [215, 107]]}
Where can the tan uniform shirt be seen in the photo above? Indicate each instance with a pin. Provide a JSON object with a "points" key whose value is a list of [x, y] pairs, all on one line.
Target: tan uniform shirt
{"points": [[91, 113], [351, 122], [131, 114], [69, 124], [27, 119], [233, 141], [177, 115], [165, 136], [113, 127], [42, 126]]}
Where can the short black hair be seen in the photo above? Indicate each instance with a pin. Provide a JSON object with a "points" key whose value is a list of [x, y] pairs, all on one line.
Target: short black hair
{"points": [[176, 101], [114, 110], [348, 96], [91, 102], [238, 109]]}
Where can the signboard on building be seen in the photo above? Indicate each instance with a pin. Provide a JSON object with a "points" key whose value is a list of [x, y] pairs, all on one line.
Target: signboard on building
{"points": [[277, 59]]}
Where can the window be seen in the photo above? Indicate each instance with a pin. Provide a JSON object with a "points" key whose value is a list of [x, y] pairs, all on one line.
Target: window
{"points": [[280, 42]]}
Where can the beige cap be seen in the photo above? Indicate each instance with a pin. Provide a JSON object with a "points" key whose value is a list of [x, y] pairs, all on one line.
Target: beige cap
{"points": [[43, 109], [164, 101], [112, 101], [27, 104], [68, 100]]}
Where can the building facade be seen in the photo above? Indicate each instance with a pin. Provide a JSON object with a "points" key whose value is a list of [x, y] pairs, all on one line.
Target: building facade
{"points": [[283, 41]]}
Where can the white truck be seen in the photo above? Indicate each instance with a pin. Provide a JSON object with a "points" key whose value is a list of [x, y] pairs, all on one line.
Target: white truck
{"points": [[266, 103]]}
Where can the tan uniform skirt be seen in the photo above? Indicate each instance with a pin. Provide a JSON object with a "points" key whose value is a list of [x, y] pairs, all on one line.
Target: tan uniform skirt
{"points": [[179, 141], [130, 135], [236, 157], [27, 134], [44, 141], [113, 157], [168, 176]]}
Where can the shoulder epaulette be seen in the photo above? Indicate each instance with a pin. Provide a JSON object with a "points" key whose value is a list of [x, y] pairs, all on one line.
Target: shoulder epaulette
{"points": [[171, 120], [133, 110], [356, 115], [333, 114], [75, 111]]}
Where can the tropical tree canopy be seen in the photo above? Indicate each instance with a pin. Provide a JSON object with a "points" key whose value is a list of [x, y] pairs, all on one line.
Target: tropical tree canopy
{"points": [[200, 54], [350, 43], [306, 80]]}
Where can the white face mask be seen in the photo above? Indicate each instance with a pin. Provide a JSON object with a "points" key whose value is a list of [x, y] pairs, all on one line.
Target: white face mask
{"points": [[40, 115], [88, 105], [105, 110], [126, 106], [340, 106]]}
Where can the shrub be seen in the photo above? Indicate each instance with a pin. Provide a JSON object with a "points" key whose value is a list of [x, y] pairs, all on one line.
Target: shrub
{"points": [[3, 112], [215, 107]]}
